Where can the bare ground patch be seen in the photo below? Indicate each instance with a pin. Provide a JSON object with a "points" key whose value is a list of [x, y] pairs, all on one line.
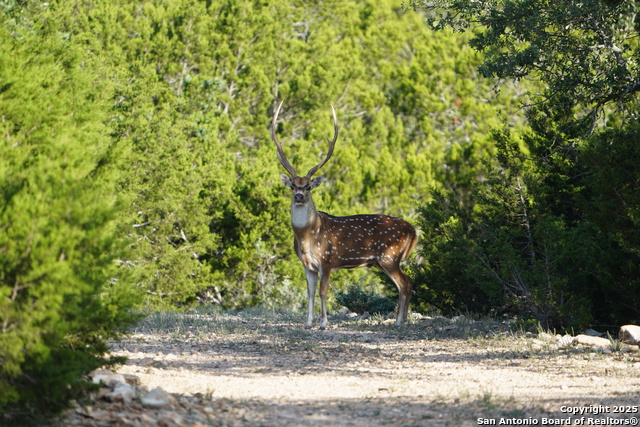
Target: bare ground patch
{"points": [[267, 370]]}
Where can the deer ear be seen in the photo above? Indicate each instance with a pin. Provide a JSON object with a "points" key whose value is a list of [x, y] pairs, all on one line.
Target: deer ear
{"points": [[315, 182], [286, 180]]}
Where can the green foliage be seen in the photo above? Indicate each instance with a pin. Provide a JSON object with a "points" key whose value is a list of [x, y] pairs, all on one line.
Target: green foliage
{"points": [[546, 239], [584, 51], [358, 300], [62, 294], [551, 233], [380, 305], [196, 83], [505, 255], [611, 200]]}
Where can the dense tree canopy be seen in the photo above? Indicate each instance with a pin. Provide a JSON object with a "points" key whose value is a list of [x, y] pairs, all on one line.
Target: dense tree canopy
{"points": [[554, 230], [585, 52], [196, 86]]}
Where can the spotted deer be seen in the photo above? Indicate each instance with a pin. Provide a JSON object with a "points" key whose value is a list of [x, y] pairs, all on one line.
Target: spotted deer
{"points": [[325, 242]]}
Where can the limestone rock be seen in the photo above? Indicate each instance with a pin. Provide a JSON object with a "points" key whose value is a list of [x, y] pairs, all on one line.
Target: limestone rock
{"points": [[157, 398], [122, 392], [630, 334], [108, 378], [630, 349], [566, 341], [593, 341]]}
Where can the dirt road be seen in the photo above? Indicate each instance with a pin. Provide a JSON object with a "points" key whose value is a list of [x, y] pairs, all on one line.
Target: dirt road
{"points": [[267, 370]]}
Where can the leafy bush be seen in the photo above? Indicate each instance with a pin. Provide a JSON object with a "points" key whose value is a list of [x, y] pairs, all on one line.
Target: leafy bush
{"points": [[358, 300], [519, 250], [380, 305], [62, 294], [552, 234]]}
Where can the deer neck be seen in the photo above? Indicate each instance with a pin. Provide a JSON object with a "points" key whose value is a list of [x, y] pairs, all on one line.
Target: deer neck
{"points": [[304, 217]]}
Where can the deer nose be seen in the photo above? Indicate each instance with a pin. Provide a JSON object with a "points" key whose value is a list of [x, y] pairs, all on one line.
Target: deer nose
{"points": [[298, 197]]}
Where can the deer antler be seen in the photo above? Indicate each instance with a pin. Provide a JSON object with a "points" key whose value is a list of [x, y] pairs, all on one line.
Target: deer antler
{"points": [[281, 156], [332, 144]]}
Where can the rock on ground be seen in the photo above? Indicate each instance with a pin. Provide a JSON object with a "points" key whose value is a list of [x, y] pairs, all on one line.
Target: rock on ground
{"points": [[630, 334]]}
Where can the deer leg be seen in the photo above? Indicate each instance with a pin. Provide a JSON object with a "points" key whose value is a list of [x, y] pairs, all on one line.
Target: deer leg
{"points": [[324, 286], [405, 296], [312, 279], [405, 287]]}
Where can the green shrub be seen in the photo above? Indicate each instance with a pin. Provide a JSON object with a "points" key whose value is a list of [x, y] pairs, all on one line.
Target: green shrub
{"points": [[519, 251], [62, 293], [380, 305], [358, 300]]}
